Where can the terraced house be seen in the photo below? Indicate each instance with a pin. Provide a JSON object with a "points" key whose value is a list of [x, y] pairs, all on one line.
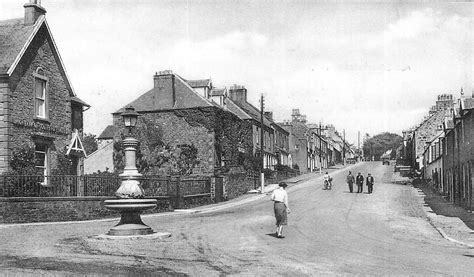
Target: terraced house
{"points": [[38, 107]]}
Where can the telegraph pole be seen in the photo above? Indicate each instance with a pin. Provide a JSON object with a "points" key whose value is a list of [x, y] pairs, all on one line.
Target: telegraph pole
{"points": [[320, 148], [262, 174], [343, 146]]}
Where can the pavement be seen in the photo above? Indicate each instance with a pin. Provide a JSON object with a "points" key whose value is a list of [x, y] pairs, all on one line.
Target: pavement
{"points": [[452, 222]]}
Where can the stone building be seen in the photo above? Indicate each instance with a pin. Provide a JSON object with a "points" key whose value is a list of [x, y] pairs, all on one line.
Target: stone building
{"points": [[303, 143], [38, 107], [237, 102], [174, 114], [458, 154], [281, 142], [432, 161], [428, 129]]}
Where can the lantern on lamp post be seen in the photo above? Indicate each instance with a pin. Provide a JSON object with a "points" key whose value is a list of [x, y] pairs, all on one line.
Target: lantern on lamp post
{"points": [[130, 118]]}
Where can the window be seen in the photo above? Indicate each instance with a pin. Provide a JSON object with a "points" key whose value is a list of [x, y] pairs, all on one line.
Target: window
{"points": [[42, 161], [41, 94]]}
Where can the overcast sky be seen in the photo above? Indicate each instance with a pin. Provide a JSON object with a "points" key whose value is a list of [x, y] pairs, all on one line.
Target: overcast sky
{"points": [[368, 67]]}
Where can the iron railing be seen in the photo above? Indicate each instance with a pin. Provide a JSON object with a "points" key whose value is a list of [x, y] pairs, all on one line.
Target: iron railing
{"points": [[93, 185]]}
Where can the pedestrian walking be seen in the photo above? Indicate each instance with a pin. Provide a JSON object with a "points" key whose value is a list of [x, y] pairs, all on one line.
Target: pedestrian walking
{"points": [[370, 183], [280, 207], [350, 181], [359, 182]]}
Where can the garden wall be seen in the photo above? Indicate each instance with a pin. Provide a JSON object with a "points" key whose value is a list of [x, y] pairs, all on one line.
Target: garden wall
{"points": [[45, 209]]}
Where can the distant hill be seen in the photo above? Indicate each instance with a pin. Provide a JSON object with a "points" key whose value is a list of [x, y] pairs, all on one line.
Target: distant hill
{"points": [[381, 144]]}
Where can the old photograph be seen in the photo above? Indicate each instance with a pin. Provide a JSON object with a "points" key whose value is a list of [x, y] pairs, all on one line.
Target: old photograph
{"points": [[236, 138]]}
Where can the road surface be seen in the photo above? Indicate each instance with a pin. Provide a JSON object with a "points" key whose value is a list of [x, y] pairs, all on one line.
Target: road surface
{"points": [[329, 232]]}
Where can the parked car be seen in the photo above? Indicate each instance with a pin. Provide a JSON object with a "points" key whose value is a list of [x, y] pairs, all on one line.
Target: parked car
{"points": [[386, 160]]}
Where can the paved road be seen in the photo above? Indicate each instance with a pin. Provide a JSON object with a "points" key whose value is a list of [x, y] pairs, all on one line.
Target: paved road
{"points": [[329, 232]]}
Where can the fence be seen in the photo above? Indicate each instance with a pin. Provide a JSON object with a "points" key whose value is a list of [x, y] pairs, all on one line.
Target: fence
{"points": [[71, 186]]}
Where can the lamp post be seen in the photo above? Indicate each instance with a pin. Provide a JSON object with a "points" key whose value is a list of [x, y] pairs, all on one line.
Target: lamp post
{"points": [[130, 203], [130, 187]]}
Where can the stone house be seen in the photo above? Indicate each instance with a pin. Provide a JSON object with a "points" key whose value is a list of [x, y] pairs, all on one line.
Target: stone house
{"points": [[458, 154], [428, 129], [298, 148], [301, 144], [237, 102], [39, 108], [281, 142], [310, 146], [173, 114], [448, 160], [433, 162]]}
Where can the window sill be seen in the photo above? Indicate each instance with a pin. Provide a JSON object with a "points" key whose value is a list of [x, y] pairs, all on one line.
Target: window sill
{"points": [[41, 119]]}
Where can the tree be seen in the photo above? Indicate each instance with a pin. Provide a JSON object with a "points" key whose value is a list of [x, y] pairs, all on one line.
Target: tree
{"points": [[89, 141], [379, 144]]}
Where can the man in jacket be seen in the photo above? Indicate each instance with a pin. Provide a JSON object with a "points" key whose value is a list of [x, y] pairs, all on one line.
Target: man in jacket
{"points": [[370, 183], [359, 182], [350, 181]]}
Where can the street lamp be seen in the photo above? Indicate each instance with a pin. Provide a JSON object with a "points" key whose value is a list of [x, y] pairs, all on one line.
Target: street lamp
{"points": [[130, 118], [130, 203]]}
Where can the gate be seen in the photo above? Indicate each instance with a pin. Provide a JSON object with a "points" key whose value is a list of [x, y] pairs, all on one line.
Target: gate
{"points": [[219, 189]]}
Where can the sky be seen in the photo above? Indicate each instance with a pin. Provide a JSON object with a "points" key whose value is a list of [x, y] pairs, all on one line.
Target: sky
{"points": [[367, 67]]}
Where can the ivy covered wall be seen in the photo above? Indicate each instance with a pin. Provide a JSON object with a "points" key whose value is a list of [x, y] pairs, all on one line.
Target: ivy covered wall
{"points": [[199, 141]]}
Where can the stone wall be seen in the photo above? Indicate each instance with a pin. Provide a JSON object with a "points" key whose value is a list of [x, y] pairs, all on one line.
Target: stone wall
{"points": [[39, 209], [239, 183], [25, 128]]}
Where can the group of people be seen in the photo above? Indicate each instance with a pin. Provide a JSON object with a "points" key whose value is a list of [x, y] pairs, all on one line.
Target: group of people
{"points": [[280, 197], [359, 181]]}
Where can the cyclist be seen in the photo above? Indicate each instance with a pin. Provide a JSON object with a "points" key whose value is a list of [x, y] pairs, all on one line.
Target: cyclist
{"points": [[327, 181]]}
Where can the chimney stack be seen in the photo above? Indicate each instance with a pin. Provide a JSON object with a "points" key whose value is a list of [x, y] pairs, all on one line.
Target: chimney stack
{"points": [[33, 11], [164, 89], [238, 93]]}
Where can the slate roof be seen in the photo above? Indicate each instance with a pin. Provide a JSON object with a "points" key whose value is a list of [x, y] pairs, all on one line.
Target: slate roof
{"points": [[186, 97], [253, 112], [235, 109], [13, 36], [108, 132], [199, 83]]}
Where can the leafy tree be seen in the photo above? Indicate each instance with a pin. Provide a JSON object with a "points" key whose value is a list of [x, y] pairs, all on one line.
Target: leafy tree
{"points": [[90, 144], [379, 144]]}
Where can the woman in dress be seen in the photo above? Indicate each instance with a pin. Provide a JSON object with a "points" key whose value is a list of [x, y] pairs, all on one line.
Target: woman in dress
{"points": [[281, 208]]}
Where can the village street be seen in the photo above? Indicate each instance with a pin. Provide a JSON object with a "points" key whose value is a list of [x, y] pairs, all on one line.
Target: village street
{"points": [[329, 232]]}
